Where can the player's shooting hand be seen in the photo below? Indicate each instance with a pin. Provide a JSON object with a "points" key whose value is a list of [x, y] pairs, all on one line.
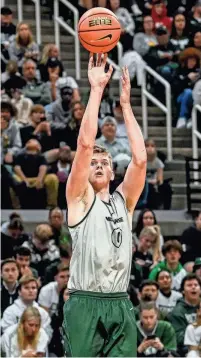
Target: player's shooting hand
{"points": [[98, 78], [126, 87]]}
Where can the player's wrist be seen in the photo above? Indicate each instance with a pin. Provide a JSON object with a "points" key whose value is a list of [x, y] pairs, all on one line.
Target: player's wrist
{"points": [[126, 106]]}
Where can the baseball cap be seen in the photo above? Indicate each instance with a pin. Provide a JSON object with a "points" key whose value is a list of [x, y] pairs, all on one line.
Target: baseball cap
{"points": [[53, 62], [108, 119], [6, 11], [161, 30], [197, 264]]}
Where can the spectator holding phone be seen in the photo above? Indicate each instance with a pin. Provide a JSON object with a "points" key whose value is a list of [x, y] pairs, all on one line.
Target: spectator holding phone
{"points": [[154, 338], [26, 338]]}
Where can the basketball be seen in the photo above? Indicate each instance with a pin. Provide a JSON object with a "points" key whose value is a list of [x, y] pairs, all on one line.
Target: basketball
{"points": [[99, 30]]}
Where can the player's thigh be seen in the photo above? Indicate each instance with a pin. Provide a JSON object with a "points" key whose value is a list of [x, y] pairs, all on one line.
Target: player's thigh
{"points": [[124, 338], [80, 328]]}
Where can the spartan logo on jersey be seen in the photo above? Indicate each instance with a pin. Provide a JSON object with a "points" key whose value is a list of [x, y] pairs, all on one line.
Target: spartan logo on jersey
{"points": [[117, 237]]}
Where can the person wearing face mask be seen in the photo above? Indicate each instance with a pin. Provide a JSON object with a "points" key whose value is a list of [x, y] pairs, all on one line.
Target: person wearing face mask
{"points": [[59, 113], [42, 247], [31, 169], [185, 311]]}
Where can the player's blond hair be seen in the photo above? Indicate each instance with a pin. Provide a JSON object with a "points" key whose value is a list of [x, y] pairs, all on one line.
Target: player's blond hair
{"points": [[102, 150]]}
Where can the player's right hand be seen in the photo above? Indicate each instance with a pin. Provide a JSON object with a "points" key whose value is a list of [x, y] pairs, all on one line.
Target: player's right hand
{"points": [[98, 78]]}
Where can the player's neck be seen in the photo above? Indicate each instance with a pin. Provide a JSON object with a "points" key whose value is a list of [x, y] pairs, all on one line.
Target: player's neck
{"points": [[103, 194]]}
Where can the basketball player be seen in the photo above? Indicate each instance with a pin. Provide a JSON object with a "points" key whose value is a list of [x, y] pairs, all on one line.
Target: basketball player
{"points": [[98, 317]]}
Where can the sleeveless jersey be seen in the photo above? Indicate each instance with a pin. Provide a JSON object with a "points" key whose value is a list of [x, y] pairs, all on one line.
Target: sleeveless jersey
{"points": [[102, 248]]}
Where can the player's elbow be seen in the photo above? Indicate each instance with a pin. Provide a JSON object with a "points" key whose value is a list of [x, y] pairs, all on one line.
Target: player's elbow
{"points": [[85, 143], [141, 162]]}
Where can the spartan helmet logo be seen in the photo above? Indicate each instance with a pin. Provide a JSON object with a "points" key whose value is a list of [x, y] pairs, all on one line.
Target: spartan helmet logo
{"points": [[117, 237]]}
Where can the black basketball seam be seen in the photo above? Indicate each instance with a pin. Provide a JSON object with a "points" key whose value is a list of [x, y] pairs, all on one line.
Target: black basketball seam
{"points": [[99, 45], [116, 28], [101, 13]]}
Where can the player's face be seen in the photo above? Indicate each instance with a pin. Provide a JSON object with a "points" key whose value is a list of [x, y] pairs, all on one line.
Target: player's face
{"points": [[100, 171]]}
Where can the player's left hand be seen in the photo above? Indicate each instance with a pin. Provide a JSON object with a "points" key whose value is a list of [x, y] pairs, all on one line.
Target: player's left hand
{"points": [[98, 78], [126, 87]]}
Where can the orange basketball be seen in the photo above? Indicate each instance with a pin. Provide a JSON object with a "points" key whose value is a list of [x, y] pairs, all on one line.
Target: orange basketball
{"points": [[99, 30]]}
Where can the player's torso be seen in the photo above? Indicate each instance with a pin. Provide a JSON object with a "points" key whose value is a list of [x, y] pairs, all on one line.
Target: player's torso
{"points": [[102, 248]]}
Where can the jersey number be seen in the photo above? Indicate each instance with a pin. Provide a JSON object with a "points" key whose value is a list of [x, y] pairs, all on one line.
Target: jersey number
{"points": [[117, 237]]}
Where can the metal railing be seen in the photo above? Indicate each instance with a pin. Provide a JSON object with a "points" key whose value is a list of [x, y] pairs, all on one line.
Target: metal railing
{"points": [[37, 17], [195, 136], [119, 57], [58, 21], [167, 109]]}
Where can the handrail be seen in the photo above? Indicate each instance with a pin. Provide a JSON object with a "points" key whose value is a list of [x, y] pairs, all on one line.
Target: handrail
{"points": [[119, 56], [37, 17], [59, 21], [195, 136], [167, 109]]}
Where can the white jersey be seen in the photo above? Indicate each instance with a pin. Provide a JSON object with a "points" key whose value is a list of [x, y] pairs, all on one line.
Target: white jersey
{"points": [[166, 304], [102, 248]]}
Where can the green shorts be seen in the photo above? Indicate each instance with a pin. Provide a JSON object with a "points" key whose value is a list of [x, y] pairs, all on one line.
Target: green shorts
{"points": [[98, 324]]}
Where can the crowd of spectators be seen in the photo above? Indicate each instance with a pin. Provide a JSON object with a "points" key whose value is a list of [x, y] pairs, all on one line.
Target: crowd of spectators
{"points": [[165, 287], [41, 112]]}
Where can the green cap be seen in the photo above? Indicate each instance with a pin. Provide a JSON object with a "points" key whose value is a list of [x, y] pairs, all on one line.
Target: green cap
{"points": [[197, 263]]}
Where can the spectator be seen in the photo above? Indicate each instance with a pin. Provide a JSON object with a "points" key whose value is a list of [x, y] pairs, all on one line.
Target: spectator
{"points": [[162, 56], [144, 40], [12, 79], [187, 74], [179, 36], [167, 298], [62, 168], [37, 91], [149, 238], [23, 259], [159, 15], [126, 21], [42, 247], [154, 338], [23, 47], [192, 337], [51, 270], [197, 267], [160, 191], [61, 233], [146, 217], [73, 126], [56, 345], [185, 311], [197, 93], [109, 140], [13, 215], [59, 114], [197, 40], [191, 240], [49, 294], [56, 83], [172, 251], [9, 283], [26, 338], [12, 236], [10, 135], [188, 266], [148, 291], [31, 169], [49, 51], [107, 103], [8, 29], [195, 21], [28, 290], [23, 106], [38, 128]]}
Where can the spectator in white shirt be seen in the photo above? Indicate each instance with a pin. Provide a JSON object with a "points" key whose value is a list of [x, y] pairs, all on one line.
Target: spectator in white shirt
{"points": [[167, 298], [193, 336], [26, 338], [28, 291], [49, 294]]}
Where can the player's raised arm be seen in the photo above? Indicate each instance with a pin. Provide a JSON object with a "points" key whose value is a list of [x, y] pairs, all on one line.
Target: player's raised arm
{"points": [[134, 179], [78, 179]]}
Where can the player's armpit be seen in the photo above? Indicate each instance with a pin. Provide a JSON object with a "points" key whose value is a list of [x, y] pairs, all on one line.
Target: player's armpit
{"points": [[133, 184]]}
